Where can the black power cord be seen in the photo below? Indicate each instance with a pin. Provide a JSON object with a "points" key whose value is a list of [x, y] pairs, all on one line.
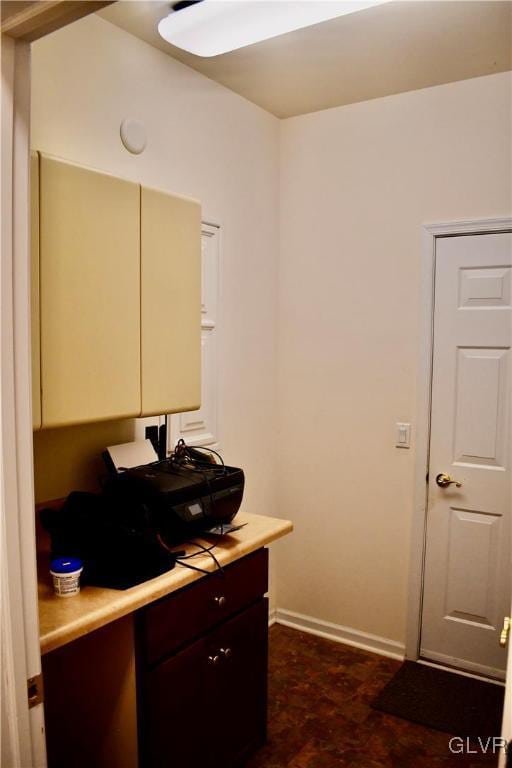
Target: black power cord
{"points": [[180, 556]]}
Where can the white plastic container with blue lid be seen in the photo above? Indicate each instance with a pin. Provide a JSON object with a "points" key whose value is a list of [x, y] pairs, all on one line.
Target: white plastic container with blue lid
{"points": [[66, 572]]}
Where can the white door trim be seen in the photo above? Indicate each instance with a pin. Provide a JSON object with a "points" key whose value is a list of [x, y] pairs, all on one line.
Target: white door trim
{"points": [[203, 428], [22, 742], [430, 232]]}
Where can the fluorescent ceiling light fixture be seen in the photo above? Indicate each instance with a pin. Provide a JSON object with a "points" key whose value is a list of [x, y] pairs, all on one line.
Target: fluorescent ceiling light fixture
{"points": [[211, 27]]}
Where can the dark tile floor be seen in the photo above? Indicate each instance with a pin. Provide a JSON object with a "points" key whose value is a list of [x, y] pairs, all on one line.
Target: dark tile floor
{"points": [[320, 715]]}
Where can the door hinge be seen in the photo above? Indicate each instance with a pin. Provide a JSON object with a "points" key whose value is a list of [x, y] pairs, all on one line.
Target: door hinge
{"points": [[35, 690]]}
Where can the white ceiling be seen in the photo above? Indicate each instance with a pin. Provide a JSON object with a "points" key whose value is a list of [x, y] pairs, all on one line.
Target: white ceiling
{"points": [[395, 47]]}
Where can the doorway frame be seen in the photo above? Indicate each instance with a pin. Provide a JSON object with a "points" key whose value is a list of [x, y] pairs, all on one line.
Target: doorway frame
{"points": [[430, 233], [23, 736]]}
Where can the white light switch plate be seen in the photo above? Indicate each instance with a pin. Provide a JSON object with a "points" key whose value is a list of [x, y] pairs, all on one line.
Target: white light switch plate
{"points": [[403, 435]]}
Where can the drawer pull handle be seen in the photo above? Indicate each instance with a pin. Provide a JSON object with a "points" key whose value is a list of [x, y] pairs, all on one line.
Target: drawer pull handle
{"points": [[214, 660], [220, 601], [226, 652]]}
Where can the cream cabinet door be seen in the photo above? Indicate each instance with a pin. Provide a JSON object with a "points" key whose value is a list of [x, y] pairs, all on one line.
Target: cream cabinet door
{"points": [[170, 303], [34, 290], [90, 294]]}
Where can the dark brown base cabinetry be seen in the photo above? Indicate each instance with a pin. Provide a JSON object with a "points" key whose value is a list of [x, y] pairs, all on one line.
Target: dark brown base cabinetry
{"points": [[202, 670], [89, 699]]}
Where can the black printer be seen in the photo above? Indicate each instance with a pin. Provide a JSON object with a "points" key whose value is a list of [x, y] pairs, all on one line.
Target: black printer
{"points": [[183, 498]]}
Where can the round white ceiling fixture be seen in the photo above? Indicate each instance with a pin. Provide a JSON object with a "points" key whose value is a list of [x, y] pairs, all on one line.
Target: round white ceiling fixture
{"points": [[133, 136]]}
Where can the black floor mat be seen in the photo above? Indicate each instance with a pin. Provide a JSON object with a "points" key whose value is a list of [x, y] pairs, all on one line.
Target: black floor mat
{"points": [[446, 701]]}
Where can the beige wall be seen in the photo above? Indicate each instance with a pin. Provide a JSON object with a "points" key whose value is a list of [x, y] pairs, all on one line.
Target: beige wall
{"points": [[203, 141], [69, 458], [357, 184]]}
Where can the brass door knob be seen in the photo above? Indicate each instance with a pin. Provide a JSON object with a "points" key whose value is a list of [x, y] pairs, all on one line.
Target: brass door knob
{"points": [[505, 631], [443, 480]]}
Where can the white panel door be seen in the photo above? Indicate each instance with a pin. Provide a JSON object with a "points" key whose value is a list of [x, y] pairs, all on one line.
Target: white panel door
{"points": [[467, 563]]}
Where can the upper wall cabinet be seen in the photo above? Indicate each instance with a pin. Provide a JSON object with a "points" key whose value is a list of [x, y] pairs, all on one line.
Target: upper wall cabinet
{"points": [[89, 295], [170, 303], [116, 320]]}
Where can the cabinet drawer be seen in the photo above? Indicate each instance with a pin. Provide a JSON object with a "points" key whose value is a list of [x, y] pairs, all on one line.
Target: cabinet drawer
{"points": [[166, 625]]}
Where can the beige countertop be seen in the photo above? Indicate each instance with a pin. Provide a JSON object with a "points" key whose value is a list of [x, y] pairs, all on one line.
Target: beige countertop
{"points": [[62, 620]]}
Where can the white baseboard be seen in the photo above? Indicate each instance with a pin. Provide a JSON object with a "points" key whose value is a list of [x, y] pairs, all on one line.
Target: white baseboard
{"points": [[272, 616], [340, 634]]}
